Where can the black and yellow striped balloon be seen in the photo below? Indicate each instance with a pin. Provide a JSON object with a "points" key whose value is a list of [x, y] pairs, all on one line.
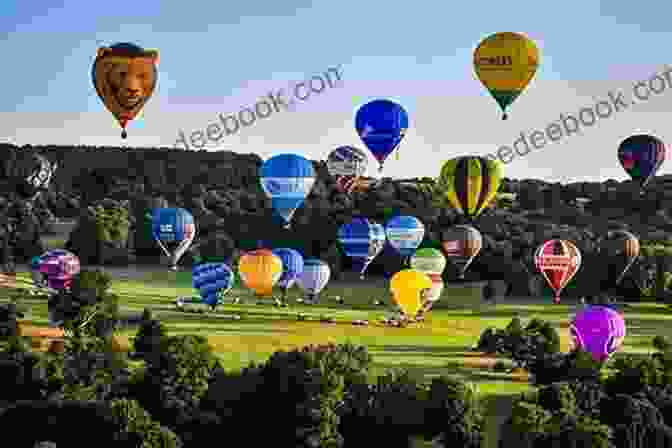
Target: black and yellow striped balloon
{"points": [[469, 184]]}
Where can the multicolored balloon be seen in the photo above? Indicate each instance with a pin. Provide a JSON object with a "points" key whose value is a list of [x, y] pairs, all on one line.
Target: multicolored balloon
{"points": [[174, 230], [462, 243], [599, 330], [287, 180], [59, 267], [469, 184], [292, 268], [362, 240], [408, 289], [505, 63], [622, 247], [641, 157], [314, 278], [430, 261], [558, 261], [382, 125], [405, 234], [260, 270], [125, 77], [213, 281], [346, 164]]}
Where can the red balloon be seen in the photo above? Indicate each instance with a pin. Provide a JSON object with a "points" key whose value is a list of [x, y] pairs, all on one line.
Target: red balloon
{"points": [[558, 261]]}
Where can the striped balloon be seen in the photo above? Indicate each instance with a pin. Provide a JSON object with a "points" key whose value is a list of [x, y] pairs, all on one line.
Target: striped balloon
{"points": [[213, 281], [621, 247], [599, 330], [429, 261], [462, 243], [292, 267], [362, 240], [469, 184], [405, 233], [59, 267], [287, 179], [558, 261], [315, 276]]}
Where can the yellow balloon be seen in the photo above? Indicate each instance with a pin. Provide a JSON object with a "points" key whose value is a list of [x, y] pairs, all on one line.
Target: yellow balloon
{"points": [[408, 288], [506, 63], [260, 270]]}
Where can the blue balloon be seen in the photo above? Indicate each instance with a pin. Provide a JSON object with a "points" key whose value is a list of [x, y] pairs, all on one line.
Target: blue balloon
{"points": [[362, 240], [173, 227], [381, 124], [292, 267], [287, 180], [212, 280], [405, 233], [315, 276]]}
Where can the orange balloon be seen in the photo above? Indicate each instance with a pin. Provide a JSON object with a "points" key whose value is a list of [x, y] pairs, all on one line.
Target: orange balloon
{"points": [[260, 270]]}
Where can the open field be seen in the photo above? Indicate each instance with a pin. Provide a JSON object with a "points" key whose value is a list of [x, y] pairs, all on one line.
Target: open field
{"points": [[439, 345]]}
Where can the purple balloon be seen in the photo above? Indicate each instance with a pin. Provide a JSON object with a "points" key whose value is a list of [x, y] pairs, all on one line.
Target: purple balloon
{"points": [[598, 330], [59, 266]]}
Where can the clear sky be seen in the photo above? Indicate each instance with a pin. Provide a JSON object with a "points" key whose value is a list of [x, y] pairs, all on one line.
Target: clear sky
{"points": [[217, 57]]}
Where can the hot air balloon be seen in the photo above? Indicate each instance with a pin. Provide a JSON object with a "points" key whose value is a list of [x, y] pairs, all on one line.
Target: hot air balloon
{"points": [[59, 267], [469, 184], [174, 231], [213, 281], [641, 157], [287, 179], [346, 164], [292, 268], [621, 247], [39, 279], [381, 124], [405, 233], [29, 173], [431, 262], [315, 276], [461, 244], [408, 289], [505, 63], [599, 330], [558, 261], [362, 240], [260, 270], [125, 76]]}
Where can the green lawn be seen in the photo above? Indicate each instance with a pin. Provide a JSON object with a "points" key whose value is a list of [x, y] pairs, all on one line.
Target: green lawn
{"points": [[440, 345]]}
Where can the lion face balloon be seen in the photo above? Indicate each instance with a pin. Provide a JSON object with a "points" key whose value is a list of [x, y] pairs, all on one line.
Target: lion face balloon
{"points": [[125, 77]]}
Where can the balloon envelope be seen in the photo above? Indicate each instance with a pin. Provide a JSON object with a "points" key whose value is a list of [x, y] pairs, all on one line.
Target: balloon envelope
{"points": [[622, 249], [429, 261], [212, 280], [381, 124], [29, 173], [124, 76], [405, 233], [174, 230], [292, 266], [287, 179], [469, 184], [641, 157], [598, 330], [408, 288], [59, 267], [558, 261], [347, 161], [462, 243], [505, 63], [315, 276], [260, 270], [362, 240]]}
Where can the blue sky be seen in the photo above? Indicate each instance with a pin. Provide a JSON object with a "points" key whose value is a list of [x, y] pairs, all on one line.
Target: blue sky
{"points": [[220, 56]]}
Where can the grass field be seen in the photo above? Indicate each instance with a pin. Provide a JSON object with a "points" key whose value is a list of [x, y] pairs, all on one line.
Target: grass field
{"points": [[439, 345]]}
